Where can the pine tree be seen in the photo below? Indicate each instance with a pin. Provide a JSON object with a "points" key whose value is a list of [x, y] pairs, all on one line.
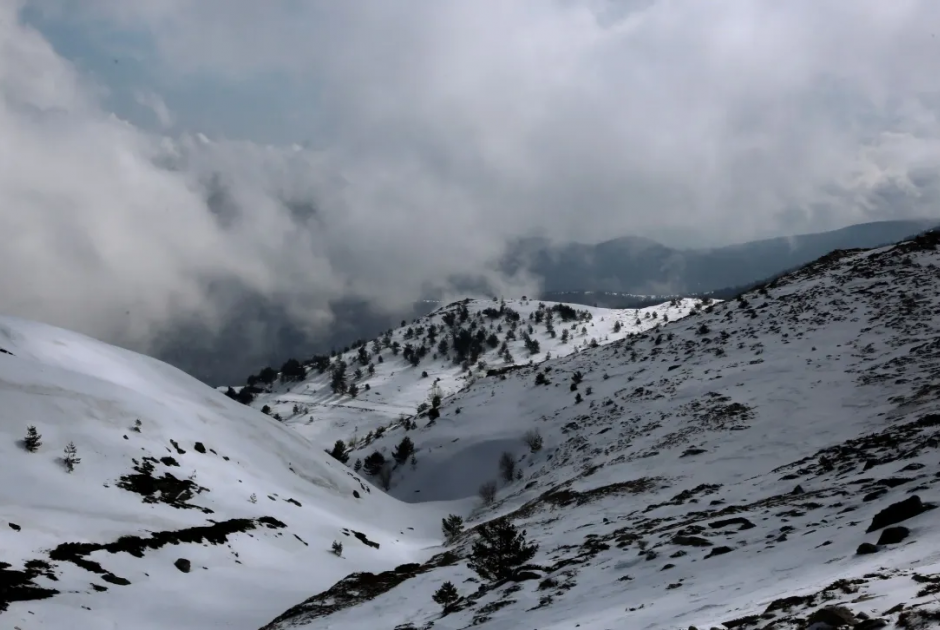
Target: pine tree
{"points": [[33, 440], [500, 550], [71, 457], [452, 526], [446, 596], [339, 452], [337, 548], [373, 463], [404, 450]]}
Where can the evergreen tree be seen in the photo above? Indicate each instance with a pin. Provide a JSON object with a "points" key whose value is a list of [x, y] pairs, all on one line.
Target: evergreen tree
{"points": [[358, 465], [404, 450], [71, 457], [452, 526], [33, 440], [500, 550], [339, 452], [373, 463], [446, 596]]}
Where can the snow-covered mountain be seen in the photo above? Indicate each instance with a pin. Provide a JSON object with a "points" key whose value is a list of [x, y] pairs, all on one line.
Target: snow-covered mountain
{"points": [[399, 371], [187, 510], [768, 462]]}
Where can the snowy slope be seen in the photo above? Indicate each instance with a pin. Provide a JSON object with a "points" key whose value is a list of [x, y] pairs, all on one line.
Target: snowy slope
{"points": [[396, 387], [141, 493], [722, 471]]}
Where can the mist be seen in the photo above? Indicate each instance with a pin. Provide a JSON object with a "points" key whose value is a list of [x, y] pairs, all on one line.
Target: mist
{"points": [[382, 152]]}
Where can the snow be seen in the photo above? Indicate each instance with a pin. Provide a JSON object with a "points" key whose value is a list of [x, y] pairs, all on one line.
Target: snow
{"points": [[801, 412], [76, 389], [829, 354], [397, 388]]}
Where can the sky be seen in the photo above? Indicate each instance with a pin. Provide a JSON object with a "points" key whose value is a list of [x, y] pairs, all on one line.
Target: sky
{"points": [[160, 158]]}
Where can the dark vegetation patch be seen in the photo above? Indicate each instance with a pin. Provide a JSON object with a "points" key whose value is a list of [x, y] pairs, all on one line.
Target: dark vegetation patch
{"points": [[215, 534], [167, 489], [18, 586], [2, 351], [356, 589], [362, 538]]}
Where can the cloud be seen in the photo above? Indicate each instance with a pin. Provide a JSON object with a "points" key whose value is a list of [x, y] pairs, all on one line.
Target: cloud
{"points": [[439, 131], [154, 103]]}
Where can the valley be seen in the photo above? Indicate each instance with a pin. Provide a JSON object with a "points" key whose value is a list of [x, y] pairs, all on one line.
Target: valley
{"points": [[765, 462]]}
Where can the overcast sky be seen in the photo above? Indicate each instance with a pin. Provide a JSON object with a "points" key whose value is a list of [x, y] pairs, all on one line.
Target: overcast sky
{"points": [[152, 151]]}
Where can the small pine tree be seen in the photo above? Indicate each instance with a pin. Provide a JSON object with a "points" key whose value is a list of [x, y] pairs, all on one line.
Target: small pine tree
{"points": [[33, 440], [358, 466], [71, 457], [452, 526], [253, 498], [404, 450], [500, 550], [339, 452], [374, 463], [446, 596], [337, 548]]}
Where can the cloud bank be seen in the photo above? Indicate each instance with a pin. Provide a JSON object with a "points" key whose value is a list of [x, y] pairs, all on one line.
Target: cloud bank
{"points": [[412, 140]]}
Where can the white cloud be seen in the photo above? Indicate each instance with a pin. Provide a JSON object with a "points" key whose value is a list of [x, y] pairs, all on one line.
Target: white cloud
{"points": [[446, 128], [156, 104]]}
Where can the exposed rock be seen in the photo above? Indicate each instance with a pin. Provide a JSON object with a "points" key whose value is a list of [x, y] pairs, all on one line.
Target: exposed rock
{"points": [[893, 535], [691, 541], [199, 447], [183, 565], [834, 616], [718, 551], [897, 512], [866, 548], [739, 520]]}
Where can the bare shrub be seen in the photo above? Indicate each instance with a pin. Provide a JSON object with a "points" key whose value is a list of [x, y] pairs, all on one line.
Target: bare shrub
{"points": [[533, 439], [487, 492], [507, 466]]}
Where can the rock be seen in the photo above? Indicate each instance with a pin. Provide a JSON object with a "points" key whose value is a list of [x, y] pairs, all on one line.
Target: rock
{"points": [[718, 551], [199, 447], [183, 565], [798, 490], [691, 541], [866, 548], [356, 493], [835, 616], [871, 624], [15, 527], [738, 520], [897, 512], [893, 535], [523, 576]]}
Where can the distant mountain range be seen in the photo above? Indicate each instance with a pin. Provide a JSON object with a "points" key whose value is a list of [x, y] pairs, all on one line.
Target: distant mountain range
{"points": [[626, 272], [641, 266]]}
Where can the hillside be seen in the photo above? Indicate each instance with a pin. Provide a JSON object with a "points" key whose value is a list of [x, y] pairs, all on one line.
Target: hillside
{"points": [[767, 463], [404, 368], [170, 470]]}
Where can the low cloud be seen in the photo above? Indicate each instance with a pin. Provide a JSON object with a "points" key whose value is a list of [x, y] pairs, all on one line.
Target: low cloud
{"points": [[435, 133]]}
